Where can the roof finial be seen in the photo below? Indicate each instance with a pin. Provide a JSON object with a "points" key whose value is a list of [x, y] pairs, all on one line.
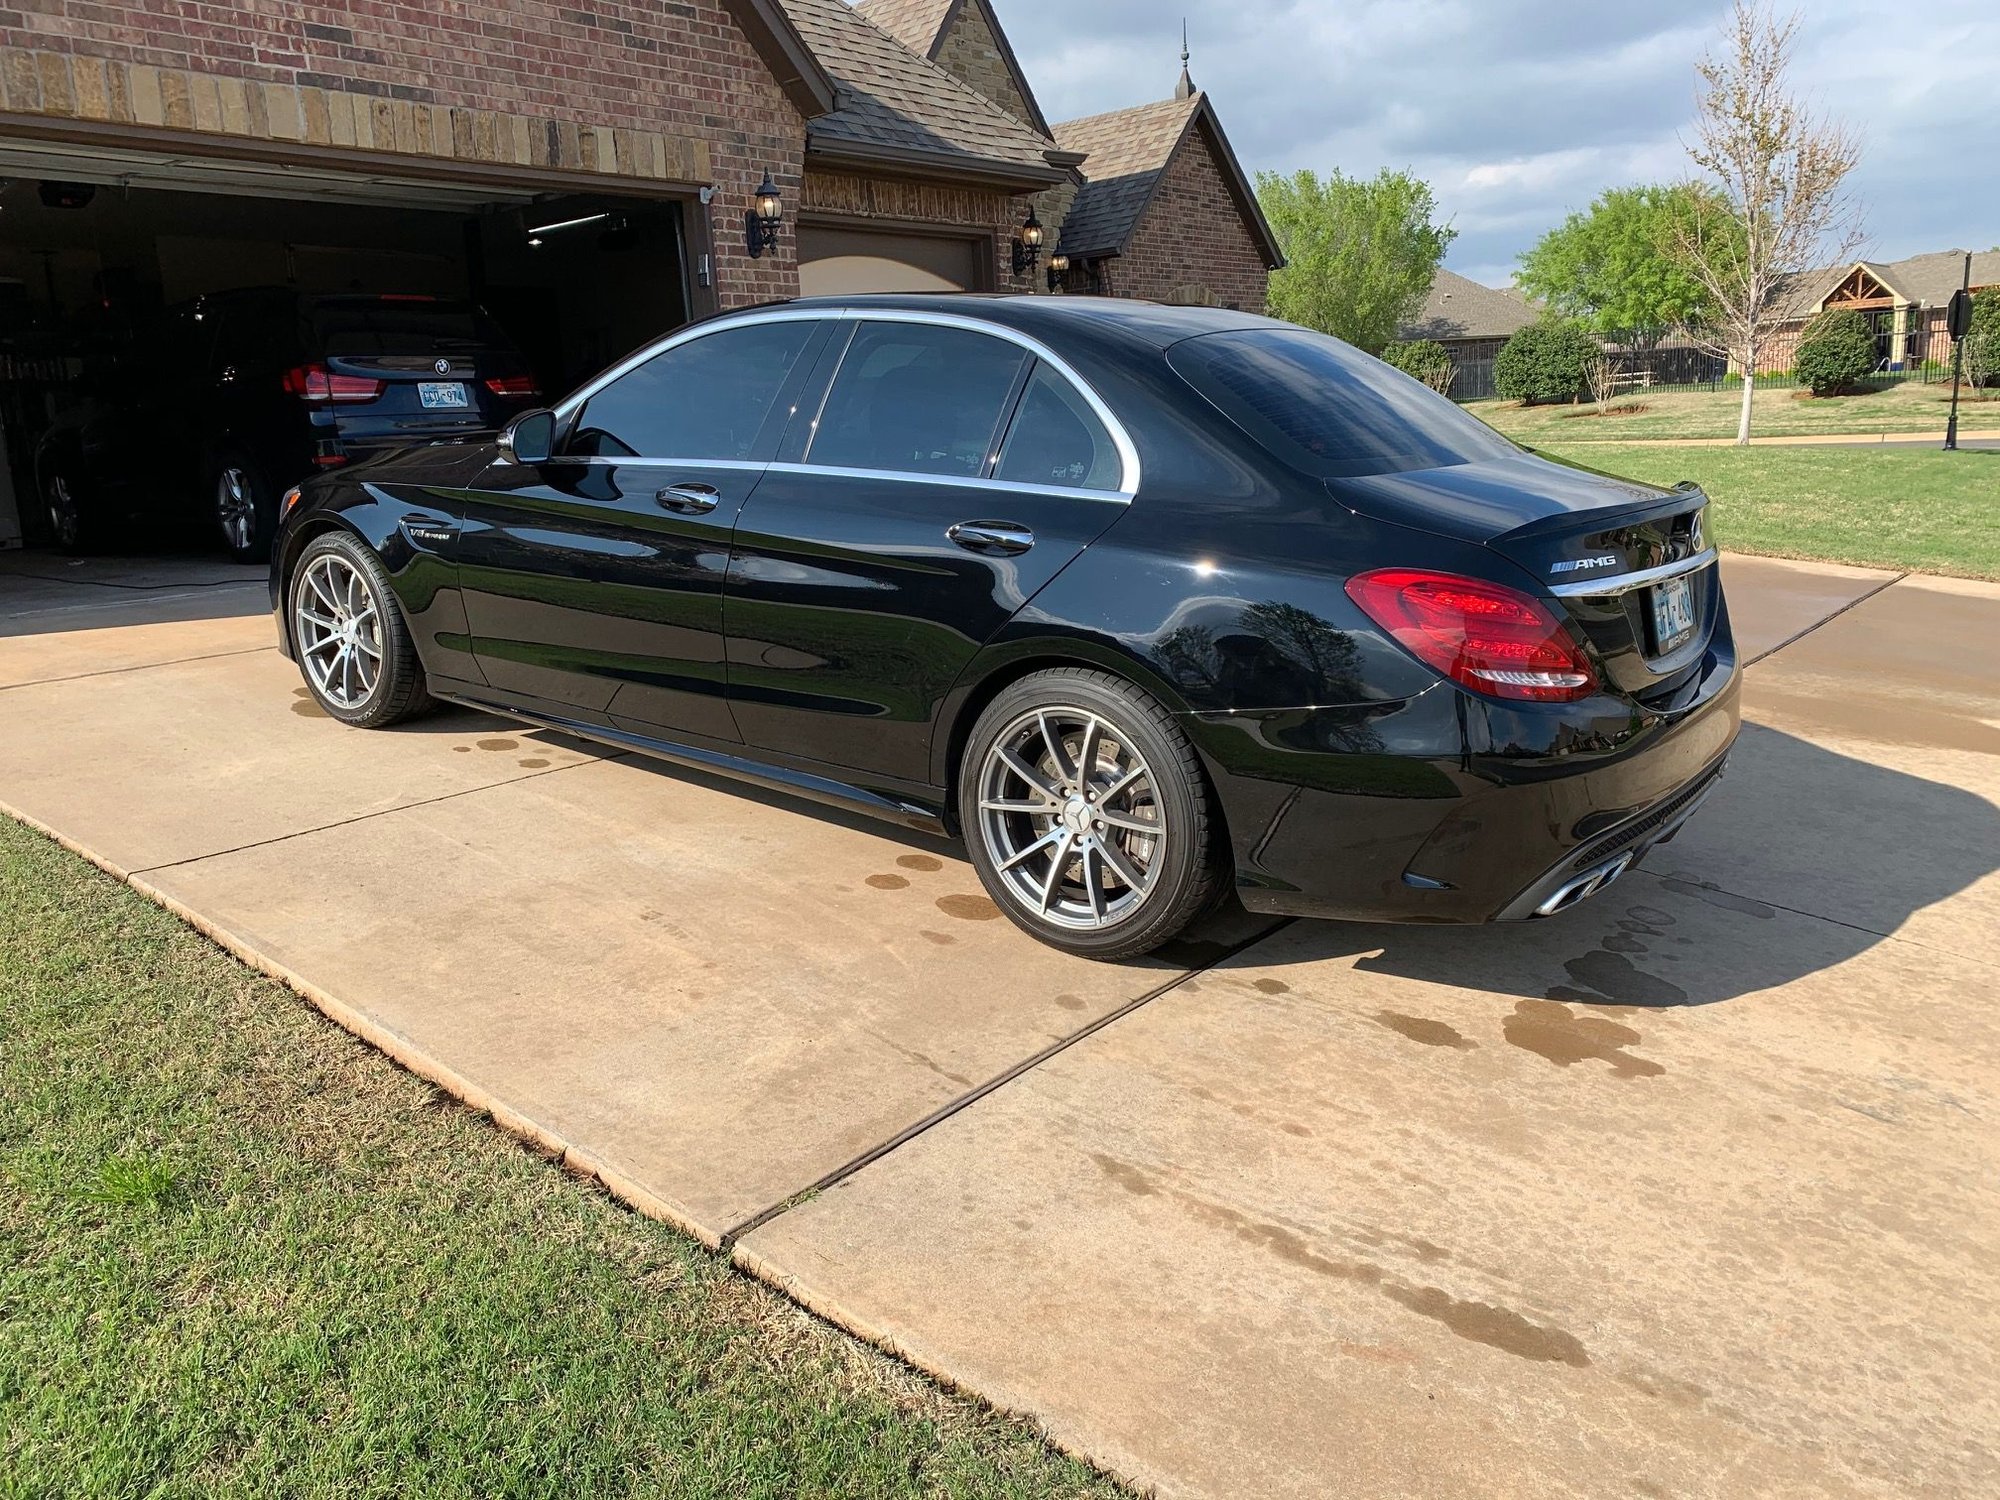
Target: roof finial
{"points": [[1185, 88]]}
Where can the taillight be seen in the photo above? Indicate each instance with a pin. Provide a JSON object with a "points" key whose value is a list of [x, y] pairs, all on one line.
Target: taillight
{"points": [[513, 385], [1484, 636], [317, 383]]}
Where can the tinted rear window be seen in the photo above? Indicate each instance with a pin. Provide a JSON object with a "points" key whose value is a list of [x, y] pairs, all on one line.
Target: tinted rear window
{"points": [[377, 326], [1327, 407]]}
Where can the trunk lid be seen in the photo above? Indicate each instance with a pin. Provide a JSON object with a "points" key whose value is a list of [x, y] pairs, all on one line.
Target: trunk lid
{"points": [[1628, 565]]}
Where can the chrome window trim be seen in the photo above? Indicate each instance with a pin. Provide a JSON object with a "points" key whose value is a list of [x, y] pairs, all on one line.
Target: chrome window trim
{"points": [[893, 476], [1128, 453], [1625, 583]]}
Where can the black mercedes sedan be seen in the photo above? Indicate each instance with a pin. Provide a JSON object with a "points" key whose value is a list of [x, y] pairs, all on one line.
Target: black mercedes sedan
{"points": [[1144, 603]]}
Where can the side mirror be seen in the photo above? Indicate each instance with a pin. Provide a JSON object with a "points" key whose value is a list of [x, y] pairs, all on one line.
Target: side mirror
{"points": [[529, 439]]}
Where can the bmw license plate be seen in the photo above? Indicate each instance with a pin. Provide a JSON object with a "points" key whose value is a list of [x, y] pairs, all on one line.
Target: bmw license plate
{"points": [[442, 395], [1673, 615]]}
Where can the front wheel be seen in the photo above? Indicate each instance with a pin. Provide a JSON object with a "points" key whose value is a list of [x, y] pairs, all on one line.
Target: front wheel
{"points": [[1087, 814], [352, 645]]}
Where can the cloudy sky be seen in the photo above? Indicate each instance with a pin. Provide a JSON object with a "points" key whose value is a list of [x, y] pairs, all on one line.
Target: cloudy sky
{"points": [[1517, 113]]}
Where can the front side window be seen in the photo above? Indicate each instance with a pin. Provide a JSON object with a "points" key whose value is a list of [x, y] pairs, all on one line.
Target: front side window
{"points": [[916, 398], [1327, 407], [703, 400], [1057, 439]]}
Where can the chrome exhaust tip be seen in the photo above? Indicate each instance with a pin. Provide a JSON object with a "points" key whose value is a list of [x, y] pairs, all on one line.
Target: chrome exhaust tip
{"points": [[1586, 885]]}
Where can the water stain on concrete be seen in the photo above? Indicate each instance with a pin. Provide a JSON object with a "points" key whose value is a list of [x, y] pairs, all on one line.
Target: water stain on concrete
{"points": [[1554, 1031], [1481, 1322], [532, 763], [1274, 986], [1617, 943], [499, 744], [1714, 895], [305, 708], [922, 1060], [1421, 1029], [968, 908], [1617, 978], [888, 882], [1070, 1002], [924, 862], [942, 939]]}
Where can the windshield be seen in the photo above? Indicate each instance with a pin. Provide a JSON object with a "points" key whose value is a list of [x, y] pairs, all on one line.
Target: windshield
{"points": [[1329, 409], [388, 325]]}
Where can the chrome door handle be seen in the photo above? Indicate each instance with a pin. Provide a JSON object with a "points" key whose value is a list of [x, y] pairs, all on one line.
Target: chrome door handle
{"points": [[997, 538], [692, 498]]}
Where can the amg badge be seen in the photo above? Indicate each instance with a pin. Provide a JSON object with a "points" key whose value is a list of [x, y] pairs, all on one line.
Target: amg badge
{"points": [[1583, 562]]}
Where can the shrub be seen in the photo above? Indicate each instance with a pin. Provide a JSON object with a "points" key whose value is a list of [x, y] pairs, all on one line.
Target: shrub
{"points": [[1546, 361], [1836, 352], [1982, 344], [1426, 361]]}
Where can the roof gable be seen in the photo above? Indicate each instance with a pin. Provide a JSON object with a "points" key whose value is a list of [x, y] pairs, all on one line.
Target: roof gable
{"points": [[1458, 308], [1127, 153], [929, 27], [894, 108], [792, 64]]}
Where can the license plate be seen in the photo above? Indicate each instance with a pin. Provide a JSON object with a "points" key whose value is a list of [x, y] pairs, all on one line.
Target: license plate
{"points": [[435, 395], [1673, 614]]}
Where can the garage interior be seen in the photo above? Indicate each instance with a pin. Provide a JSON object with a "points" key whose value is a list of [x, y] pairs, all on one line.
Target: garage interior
{"points": [[95, 243]]}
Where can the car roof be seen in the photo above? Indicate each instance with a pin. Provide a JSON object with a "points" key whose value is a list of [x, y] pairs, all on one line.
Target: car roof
{"points": [[1050, 317]]}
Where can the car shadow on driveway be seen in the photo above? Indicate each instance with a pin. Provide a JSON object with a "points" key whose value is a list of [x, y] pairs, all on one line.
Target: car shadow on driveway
{"points": [[1795, 831]]}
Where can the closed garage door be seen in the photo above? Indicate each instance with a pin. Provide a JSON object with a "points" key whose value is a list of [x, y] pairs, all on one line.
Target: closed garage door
{"points": [[835, 262]]}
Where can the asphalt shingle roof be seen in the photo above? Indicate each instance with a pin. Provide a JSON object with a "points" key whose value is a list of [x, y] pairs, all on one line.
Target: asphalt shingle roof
{"points": [[1461, 309], [1127, 151], [1926, 279], [891, 99]]}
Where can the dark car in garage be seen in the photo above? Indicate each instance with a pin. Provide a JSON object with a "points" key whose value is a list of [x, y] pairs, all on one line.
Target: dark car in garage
{"points": [[1146, 603], [202, 418]]}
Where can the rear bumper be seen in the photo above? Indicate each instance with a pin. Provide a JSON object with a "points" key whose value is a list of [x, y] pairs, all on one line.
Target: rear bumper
{"points": [[1508, 815]]}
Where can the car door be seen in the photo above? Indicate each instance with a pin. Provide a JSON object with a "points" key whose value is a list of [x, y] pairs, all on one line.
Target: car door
{"points": [[949, 474], [593, 582]]}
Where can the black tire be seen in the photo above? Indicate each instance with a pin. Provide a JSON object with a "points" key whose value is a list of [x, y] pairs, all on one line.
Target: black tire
{"points": [[74, 525], [243, 506], [1083, 907], [397, 691]]}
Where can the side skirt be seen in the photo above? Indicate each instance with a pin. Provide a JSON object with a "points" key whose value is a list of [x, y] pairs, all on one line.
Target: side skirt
{"points": [[822, 789]]}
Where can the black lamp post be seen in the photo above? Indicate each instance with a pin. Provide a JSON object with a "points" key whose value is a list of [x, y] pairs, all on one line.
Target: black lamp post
{"points": [[760, 221], [1028, 246]]}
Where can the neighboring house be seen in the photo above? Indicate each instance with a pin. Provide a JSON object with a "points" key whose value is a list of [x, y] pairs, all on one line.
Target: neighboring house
{"points": [[1905, 302], [1472, 322]]}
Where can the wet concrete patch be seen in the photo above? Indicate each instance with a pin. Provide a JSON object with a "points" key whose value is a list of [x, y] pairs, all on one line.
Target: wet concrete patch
{"points": [[1422, 1030], [1552, 1030], [968, 908]]}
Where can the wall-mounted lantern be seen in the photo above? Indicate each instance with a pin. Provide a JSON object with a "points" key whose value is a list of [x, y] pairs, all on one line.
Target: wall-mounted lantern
{"points": [[1058, 272], [1028, 246], [761, 219]]}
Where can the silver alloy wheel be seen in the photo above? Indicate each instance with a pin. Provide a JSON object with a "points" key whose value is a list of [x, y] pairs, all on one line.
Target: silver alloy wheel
{"points": [[1071, 818], [339, 631], [236, 507], [63, 514]]}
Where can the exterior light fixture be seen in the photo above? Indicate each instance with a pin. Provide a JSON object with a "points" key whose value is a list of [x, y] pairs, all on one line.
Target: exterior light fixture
{"points": [[1058, 271], [1028, 247], [760, 221]]}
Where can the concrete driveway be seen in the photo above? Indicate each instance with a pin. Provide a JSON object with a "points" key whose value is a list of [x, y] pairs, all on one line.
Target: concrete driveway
{"points": [[1689, 1191]]}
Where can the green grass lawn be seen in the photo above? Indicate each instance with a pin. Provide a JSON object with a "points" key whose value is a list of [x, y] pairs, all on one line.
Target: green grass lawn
{"points": [[1909, 406], [1914, 508], [241, 1253]]}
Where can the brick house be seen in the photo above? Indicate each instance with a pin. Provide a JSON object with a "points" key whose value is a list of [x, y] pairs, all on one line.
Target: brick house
{"points": [[1904, 301], [1471, 321]]}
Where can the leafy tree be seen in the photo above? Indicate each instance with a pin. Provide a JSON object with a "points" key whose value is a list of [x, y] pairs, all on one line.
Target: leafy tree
{"points": [[1423, 360], [1613, 267], [1360, 256], [1773, 202], [1549, 360], [1836, 352]]}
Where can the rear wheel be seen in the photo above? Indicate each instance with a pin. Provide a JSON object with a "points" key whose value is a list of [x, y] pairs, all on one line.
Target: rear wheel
{"points": [[71, 523], [353, 648], [1087, 815], [246, 511]]}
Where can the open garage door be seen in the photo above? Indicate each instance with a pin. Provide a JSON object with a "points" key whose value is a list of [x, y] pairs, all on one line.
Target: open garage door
{"points": [[837, 261], [108, 251]]}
